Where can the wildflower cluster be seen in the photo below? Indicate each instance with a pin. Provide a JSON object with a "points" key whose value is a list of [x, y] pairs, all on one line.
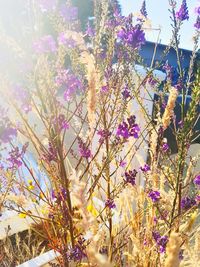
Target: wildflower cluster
{"points": [[129, 128], [105, 187]]}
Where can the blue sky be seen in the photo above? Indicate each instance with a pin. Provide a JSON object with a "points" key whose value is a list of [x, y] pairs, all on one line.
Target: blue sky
{"points": [[159, 15]]}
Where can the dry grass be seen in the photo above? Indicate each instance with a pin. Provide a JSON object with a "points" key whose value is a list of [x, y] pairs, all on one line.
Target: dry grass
{"points": [[21, 247]]}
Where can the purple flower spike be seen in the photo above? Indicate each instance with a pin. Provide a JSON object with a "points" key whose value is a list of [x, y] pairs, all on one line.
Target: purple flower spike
{"points": [[181, 257], [104, 89], [110, 204], [7, 134], [197, 199], [197, 180], [84, 151], [129, 129], [197, 10], [69, 82], [197, 24], [168, 69], [61, 122], [161, 241], [104, 134], [130, 177], [143, 9], [23, 96], [183, 14], [122, 163], [133, 37], [180, 124], [145, 168], [187, 203], [7, 131], [123, 130], [154, 195], [152, 81], [51, 155], [77, 253], [53, 194], [16, 156], [126, 93], [165, 147]]}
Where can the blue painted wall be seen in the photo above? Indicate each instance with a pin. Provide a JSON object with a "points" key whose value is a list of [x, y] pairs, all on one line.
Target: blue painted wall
{"points": [[147, 52]]}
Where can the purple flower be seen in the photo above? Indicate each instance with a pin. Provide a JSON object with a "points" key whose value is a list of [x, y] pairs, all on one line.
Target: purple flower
{"points": [[62, 77], [47, 5], [104, 89], [181, 257], [69, 13], [23, 97], [61, 122], [161, 241], [66, 41], [90, 30], [51, 215], [77, 253], [179, 85], [143, 9], [126, 130], [122, 163], [152, 81], [110, 204], [73, 85], [69, 82], [126, 93], [197, 23], [50, 154], [183, 14], [123, 130], [131, 36], [197, 10], [103, 250], [155, 220], [197, 180], [15, 156], [187, 203], [130, 177], [165, 147], [145, 242], [45, 44], [180, 124], [53, 194], [145, 168], [197, 199], [168, 69], [116, 19], [61, 195], [164, 104], [104, 134], [7, 131], [134, 131], [154, 195], [84, 151]]}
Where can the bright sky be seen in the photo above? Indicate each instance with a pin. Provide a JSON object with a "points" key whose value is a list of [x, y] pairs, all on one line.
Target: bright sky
{"points": [[159, 15]]}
